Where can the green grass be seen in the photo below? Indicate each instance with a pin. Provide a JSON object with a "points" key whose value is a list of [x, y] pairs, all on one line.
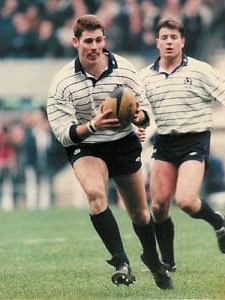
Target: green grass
{"points": [[55, 254]]}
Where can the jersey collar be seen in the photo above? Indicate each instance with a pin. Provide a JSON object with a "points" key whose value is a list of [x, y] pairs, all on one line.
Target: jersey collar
{"points": [[155, 65], [112, 64]]}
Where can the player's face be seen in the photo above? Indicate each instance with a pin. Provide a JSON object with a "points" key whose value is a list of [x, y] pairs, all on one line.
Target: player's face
{"points": [[170, 43], [90, 46]]}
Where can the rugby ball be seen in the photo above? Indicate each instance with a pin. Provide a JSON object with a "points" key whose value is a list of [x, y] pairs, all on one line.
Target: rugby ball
{"points": [[123, 104]]}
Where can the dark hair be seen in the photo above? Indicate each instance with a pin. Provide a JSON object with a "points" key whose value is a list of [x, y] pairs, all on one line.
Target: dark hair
{"points": [[87, 22], [170, 23]]}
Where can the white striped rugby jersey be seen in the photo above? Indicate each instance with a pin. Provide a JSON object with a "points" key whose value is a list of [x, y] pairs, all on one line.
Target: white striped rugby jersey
{"points": [[74, 97], [183, 100]]}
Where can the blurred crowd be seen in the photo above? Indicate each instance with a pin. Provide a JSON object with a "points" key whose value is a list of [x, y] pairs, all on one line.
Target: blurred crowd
{"points": [[43, 28], [30, 158]]}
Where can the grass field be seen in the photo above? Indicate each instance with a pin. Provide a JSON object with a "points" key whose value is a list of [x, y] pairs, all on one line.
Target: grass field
{"points": [[55, 254]]}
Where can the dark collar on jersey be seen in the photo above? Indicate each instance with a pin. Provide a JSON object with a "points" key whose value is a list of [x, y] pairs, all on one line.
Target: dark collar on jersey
{"points": [[112, 64], [155, 65]]}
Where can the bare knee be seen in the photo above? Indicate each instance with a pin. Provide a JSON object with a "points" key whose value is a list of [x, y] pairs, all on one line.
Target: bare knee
{"points": [[141, 217], [97, 200], [160, 211], [186, 202]]}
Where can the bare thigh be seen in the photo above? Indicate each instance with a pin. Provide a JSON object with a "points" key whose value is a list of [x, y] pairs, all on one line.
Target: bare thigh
{"points": [[190, 176], [163, 177], [92, 173]]}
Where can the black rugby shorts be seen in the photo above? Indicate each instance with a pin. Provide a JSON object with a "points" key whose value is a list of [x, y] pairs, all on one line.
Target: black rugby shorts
{"points": [[182, 147], [122, 157]]}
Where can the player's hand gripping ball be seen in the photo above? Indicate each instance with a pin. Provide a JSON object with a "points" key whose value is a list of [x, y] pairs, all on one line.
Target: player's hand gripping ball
{"points": [[123, 104]]}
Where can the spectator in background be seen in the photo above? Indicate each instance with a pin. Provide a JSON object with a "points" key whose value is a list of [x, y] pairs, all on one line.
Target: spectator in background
{"points": [[148, 14], [218, 24], [93, 5], [64, 36], [130, 22], [135, 26], [53, 11], [170, 8], [44, 157], [34, 15], [11, 165], [194, 27], [47, 43], [39, 162], [23, 39], [30, 160], [108, 11], [7, 12], [7, 156], [74, 9], [8, 8], [16, 138]]}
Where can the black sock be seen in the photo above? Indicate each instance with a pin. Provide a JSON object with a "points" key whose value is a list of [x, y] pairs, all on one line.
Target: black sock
{"points": [[206, 213], [146, 235], [165, 237], [106, 226]]}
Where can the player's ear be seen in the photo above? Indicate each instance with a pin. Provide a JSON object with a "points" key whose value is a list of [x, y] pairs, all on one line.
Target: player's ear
{"points": [[183, 42], [75, 42], [157, 42], [104, 40]]}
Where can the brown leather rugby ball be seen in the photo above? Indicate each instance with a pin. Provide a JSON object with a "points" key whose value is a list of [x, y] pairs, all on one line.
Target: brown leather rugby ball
{"points": [[123, 104]]}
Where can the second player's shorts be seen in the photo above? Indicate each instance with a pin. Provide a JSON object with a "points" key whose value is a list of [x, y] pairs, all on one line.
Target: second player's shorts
{"points": [[178, 148]]}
